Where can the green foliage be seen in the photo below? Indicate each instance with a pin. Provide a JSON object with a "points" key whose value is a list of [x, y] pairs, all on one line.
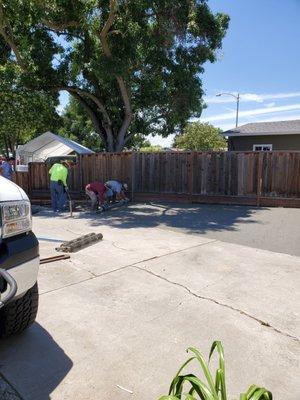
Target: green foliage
{"points": [[78, 127], [190, 387], [23, 114], [200, 137], [140, 76], [151, 149]]}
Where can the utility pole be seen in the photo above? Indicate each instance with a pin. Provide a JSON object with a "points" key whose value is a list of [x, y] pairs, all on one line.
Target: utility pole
{"points": [[237, 98]]}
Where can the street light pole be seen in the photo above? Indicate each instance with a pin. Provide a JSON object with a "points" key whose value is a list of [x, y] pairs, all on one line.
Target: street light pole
{"points": [[237, 110], [237, 97]]}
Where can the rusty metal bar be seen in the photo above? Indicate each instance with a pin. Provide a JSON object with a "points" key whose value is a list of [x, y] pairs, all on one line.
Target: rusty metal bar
{"points": [[54, 258]]}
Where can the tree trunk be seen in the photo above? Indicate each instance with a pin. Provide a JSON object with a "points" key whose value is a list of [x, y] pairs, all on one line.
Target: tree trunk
{"points": [[120, 142], [103, 127], [6, 146], [109, 140]]}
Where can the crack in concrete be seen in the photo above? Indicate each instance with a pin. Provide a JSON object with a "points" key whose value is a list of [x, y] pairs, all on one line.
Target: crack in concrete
{"points": [[80, 269], [94, 276], [210, 299], [86, 279]]}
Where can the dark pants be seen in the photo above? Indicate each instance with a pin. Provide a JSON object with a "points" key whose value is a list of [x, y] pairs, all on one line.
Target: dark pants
{"points": [[58, 196]]}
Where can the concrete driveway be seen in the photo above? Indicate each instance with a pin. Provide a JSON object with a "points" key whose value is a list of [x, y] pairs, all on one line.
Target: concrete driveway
{"points": [[120, 314]]}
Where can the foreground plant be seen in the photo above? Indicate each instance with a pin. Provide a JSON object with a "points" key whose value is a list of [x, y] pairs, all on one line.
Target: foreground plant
{"points": [[212, 389]]}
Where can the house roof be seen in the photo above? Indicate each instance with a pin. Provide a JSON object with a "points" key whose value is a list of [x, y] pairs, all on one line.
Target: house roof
{"points": [[266, 128], [49, 145]]}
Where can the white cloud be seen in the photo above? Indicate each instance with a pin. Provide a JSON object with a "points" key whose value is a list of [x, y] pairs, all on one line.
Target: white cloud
{"points": [[277, 117], [273, 104], [163, 142], [251, 97], [250, 113], [281, 116]]}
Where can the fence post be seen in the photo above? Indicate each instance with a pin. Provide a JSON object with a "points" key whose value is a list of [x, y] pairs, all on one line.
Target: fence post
{"points": [[132, 174], [259, 178], [80, 174], [190, 172], [29, 181]]}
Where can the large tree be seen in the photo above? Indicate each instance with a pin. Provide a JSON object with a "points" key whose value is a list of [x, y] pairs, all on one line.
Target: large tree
{"points": [[200, 137], [77, 126], [133, 65]]}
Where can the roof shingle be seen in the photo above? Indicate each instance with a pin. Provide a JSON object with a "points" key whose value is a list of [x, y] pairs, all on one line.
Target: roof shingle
{"points": [[266, 128]]}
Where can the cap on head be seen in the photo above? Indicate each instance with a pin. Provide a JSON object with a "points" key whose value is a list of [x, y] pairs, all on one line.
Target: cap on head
{"points": [[67, 163]]}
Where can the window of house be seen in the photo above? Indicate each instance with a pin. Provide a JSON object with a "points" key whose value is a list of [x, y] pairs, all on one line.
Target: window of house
{"points": [[262, 147]]}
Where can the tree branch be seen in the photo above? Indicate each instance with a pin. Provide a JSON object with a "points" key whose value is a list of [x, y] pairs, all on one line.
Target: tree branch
{"points": [[7, 34], [82, 92], [108, 24], [121, 83], [91, 114], [129, 137], [100, 128], [59, 27]]}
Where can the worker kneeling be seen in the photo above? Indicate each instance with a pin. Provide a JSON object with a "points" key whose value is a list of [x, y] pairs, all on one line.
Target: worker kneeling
{"points": [[98, 192], [119, 189]]}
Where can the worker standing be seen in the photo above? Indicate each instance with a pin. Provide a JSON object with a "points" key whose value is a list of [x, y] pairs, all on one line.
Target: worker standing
{"points": [[7, 168], [98, 192], [58, 185]]}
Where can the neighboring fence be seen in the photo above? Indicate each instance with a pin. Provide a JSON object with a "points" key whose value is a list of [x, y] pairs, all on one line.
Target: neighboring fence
{"points": [[266, 178], [21, 179]]}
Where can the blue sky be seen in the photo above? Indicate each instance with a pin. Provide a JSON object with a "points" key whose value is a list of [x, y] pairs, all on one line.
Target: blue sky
{"points": [[260, 59]]}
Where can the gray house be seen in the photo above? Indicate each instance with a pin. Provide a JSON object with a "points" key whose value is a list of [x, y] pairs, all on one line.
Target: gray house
{"points": [[265, 136]]}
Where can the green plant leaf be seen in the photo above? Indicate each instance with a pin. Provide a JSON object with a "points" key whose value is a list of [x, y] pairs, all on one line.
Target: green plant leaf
{"points": [[175, 381], [177, 386], [218, 380], [192, 391], [205, 370], [252, 389], [200, 388], [217, 345], [210, 390], [190, 397], [256, 393], [262, 394]]}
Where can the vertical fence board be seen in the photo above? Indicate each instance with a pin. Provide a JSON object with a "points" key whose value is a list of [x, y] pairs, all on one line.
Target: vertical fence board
{"points": [[270, 174]]}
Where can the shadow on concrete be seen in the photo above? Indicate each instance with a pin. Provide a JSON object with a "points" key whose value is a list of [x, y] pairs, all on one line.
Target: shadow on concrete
{"points": [[191, 218], [33, 363]]}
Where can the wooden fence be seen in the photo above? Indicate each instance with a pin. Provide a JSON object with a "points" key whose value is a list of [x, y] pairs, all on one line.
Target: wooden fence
{"points": [[254, 178]]}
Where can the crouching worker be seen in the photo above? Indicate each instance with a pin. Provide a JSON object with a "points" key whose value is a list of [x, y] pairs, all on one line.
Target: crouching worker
{"points": [[58, 185], [98, 193], [119, 189]]}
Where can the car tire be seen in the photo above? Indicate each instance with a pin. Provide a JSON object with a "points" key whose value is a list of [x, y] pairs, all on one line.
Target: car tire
{"points": [[19, 314]]}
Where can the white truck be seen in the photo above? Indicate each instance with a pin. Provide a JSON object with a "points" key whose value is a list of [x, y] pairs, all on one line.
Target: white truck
{"points": [[19, 261]]}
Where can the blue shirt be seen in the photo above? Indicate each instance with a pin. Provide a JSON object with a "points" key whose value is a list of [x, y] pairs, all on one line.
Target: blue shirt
{"points": [[115, 186], [7, 170]]}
